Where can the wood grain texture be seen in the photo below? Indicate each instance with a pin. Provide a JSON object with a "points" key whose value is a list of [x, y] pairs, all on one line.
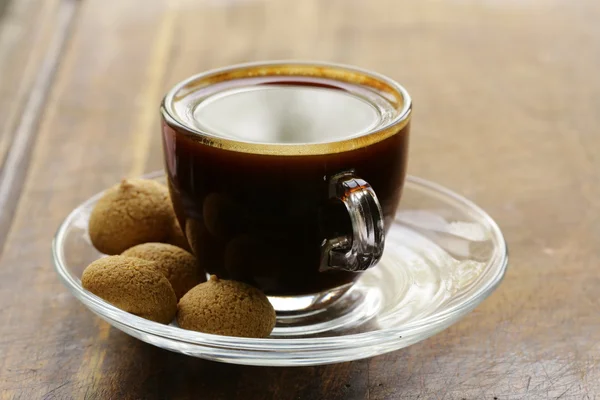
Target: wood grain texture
{"points": [[506, 98], [23, 119], [24, 28]]}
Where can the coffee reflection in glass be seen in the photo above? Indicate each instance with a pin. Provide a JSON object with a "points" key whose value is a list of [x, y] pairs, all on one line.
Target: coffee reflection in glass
{"points": [[286, 175]]}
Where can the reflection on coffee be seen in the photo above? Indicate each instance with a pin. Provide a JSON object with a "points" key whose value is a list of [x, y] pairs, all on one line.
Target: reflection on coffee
{"points": [[286, 114], [255, 214]]}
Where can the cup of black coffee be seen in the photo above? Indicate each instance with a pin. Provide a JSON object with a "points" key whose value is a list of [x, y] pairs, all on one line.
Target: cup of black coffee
{"points": [[286, 175]]}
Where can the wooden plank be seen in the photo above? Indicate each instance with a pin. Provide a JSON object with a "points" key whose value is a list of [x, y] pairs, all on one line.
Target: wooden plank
{"points": [[22, 133], [95, 106], [506, 98], [21, 27], [24, 37]]}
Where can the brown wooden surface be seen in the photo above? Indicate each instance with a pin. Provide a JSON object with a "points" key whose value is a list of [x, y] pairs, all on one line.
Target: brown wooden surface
{"points": [[507, 112]]}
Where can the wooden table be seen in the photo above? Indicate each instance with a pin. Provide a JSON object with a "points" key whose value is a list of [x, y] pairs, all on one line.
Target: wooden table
{"points": [[507, 112]]}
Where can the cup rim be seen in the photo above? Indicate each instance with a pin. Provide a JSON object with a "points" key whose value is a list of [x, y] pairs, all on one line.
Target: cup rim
{"points": [[274, 68]]}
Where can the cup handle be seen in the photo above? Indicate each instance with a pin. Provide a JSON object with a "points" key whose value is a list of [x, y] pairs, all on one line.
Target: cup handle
{"points": [[364, 247]]}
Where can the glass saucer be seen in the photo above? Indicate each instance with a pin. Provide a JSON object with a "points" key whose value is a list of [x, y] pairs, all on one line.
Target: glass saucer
{"points": [[444, 256]]}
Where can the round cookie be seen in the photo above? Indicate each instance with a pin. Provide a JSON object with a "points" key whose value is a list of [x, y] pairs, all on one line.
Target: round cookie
{"points": [[224, 307], [133, 212], [176, 264], [133, 285]]}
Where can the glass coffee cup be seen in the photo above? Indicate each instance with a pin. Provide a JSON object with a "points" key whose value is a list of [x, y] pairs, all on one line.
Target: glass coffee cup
{"points": [[285, 175]]}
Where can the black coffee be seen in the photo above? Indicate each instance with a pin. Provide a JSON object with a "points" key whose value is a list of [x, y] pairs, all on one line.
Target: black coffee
{"points": [[256, 215], [286, 114]]}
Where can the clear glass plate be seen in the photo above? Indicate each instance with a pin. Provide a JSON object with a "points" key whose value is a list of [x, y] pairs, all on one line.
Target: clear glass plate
{"points": [[444, 256]]}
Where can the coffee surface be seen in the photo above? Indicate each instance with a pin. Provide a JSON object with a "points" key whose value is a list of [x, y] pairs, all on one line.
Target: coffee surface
{"points": [[285, 114]]}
